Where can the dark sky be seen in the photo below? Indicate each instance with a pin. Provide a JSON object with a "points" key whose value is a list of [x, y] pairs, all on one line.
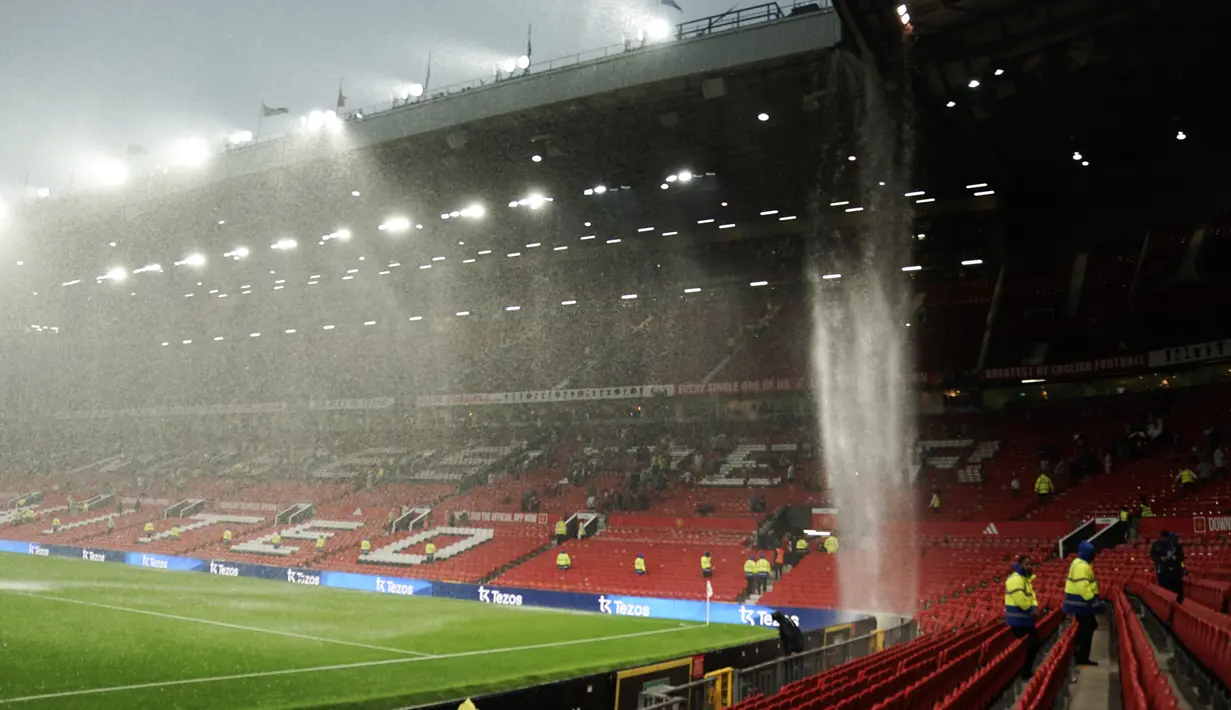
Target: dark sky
{"points": [[83, 79]]}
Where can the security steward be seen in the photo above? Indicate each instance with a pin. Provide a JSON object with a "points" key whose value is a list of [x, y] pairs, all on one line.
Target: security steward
{"points": [[563, 561], [365, 547], [1144, 510], [707, 565], [429, 551], [750, 576], [148, 528], [934, 504], [1188, 479], [1021, 608], [276, 540], [561, 532], [226, 535], [1081, 599], [175, 532], [831, 544], [1044, 488], [1168, 559], [320, 545], [639, 565], [763, 570], [55, 525]]}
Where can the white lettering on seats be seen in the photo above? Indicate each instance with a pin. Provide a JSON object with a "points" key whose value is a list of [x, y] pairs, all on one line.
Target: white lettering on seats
{"points": [[202, 520], [307, 531], [392, 554]]}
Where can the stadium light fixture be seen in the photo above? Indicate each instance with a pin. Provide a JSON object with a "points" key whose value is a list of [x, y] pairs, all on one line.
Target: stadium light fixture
{"points": [[218, 338], [628, 297], [829, 277], [840, 203], [902, 10], [469, 261], [767, 213], [657, 29], [694, 289], [999, 72], [512, 308], [189, 152], [532, 245], [460, 314], [972, 262], [685, 175], [670, 234], [851, 158], [42, 193], [912, 268], [74, 282], [195, 259], [1085, 163], [369, 322], [854, 209], [523, 62], [924, 200], [1180, 135], [508, 65], [613, 241], [916, 193], [284, 244], [708, 220], [664, 186], [1076, 155], [240, 138], [905, 19], [117, 274], [976, 186], [412, 319], [951, 104], [762, 117], [1033, 381], [237, 253], [536, 158], [974, 83], [568, 303], [355, 193], [984, 193], [758, 284], [600, 189], [149, 268], [327, 327], [645, 229], [788, 218], [108, 172], [395, 225]]}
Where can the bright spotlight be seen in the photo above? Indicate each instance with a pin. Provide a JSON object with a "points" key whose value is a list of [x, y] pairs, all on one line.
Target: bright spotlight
{"points": [[189, 152], [192, 260], [762, 117], [1180, 135], [523, 62], [237, 253], [149, 268], [657, 29], [535, 201], [118, 274], [600, 189], [974, 84], [537, 158], [509, 65], [109, 172], [901, 10], [240, 137], [475, 211], [395, 225], [685, 176], [285, 244], [416, 90], [43, 193]]}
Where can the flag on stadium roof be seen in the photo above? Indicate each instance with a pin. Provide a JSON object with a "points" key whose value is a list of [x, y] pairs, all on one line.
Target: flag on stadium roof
{"points": [[671, 3], [341, 96], [266, 111]]}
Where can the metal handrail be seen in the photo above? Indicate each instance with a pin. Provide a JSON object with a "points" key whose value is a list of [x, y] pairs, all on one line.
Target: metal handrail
{"points": [[769, 677]]}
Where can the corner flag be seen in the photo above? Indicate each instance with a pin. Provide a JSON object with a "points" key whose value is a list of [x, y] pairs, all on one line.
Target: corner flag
{"points": [[709, 590]]}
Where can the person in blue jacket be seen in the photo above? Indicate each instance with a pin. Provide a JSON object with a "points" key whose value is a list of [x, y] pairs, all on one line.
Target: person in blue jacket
{"points": [[1081, 599]]}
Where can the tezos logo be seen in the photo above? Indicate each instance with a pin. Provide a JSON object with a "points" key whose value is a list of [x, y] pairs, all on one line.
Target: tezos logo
{"points": [[91, 556], [296, 577], [147, 561], [223, 570], [392, 586], [40, 551], [619, 608], [758, 617], [495, 596]]}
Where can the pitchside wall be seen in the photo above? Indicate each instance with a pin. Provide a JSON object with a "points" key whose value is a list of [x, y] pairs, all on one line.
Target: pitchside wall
{"points": [[619, 605]]}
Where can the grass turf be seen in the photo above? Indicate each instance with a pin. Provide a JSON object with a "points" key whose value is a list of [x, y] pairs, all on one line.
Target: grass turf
{"points": [[69, 625]]}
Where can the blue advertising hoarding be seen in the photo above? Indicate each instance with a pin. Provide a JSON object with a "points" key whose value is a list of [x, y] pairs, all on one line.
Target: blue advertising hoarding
{"points": [[617, 605]]}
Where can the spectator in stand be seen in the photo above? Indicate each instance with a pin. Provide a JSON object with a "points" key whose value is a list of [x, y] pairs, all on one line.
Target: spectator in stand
{"points": [[1021, 609], [789, 634], [1081, 599], [779, 561], [1168, 559], [1043, 488], [934, 504]]}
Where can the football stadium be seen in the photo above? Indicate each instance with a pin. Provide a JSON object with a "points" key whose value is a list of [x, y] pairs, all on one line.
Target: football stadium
{"points": [[844, 354]]}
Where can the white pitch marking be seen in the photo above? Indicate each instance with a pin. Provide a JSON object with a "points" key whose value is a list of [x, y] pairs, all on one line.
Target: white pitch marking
{"points": [[224, 624], [343, 666]]}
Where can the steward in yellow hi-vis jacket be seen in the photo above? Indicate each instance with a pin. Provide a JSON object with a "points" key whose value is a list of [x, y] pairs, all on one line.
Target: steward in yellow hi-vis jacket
{"points": [[1081, 599], [831, 544], [1021, 609], [561, 532], [707, 565], [639, 564], [563, 561]]}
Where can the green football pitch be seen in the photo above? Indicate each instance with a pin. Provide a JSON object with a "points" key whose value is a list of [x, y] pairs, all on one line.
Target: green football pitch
{"points": [[77, 634]]}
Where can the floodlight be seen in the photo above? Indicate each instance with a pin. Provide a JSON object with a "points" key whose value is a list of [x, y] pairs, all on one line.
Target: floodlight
{"points": [[508, 65], [416, 90], [974, 84], [762, 116], [523, 62], [117, 274], [657, 29], [240, 137], [535, 200], [192, 260], [108, 171], [901, 10], [43, 193], [284, 244], [685, 176], [600, 189], [395, 225], [474, 211], [149, 268]]}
